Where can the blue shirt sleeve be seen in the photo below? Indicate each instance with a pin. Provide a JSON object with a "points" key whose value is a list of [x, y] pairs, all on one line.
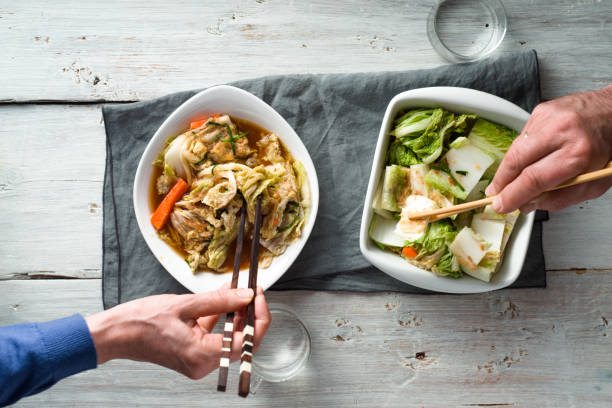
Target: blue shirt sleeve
{"points": [[34, 356]]}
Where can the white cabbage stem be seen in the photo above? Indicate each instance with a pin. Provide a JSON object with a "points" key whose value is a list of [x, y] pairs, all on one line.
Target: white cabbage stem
{"points": [[222, 193]]}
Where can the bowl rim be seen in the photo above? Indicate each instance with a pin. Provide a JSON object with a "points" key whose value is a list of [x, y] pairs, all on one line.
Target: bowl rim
{"points": [[458, 99], [162, 133]]}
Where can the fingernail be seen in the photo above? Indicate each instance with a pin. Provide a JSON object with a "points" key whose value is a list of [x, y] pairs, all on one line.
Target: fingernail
{"points": [[497, 204], [490, 190], [245, 293]]}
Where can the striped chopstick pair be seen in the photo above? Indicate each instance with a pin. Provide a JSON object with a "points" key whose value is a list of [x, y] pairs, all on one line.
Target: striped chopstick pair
{"points": [[246, 357]]}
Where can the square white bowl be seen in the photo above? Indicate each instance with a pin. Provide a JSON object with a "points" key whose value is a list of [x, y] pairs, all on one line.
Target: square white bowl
{"points": [[459, 100], [244, 105]]}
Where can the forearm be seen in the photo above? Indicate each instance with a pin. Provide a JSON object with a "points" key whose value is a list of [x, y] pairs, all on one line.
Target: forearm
{"points": [[35, 356], [114, 334], [607, 97], [605, 94]]}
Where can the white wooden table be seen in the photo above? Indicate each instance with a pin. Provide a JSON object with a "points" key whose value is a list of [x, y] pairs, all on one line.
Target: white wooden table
{"points": [[60, 61]]}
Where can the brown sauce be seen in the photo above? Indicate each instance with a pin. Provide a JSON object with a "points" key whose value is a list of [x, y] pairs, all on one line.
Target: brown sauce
{"points": [[255, 133]]}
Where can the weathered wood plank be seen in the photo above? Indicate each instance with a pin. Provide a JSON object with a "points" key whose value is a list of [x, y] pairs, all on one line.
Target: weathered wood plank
{"points": [[524, 348], [51, 175], [51, 189], [125, 51], [579, 236]]}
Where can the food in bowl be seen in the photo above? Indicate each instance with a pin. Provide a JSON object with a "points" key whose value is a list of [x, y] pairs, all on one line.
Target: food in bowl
{"points": [[205, 175], [438, 158]]}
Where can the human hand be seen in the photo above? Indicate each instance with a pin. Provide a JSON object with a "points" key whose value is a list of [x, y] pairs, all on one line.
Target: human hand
{"points": [[175, 330], [563, 138]]}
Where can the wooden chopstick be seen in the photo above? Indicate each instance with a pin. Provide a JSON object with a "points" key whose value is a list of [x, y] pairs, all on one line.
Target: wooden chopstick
{"points": [[440, 213], [246, 358], [228, 329], [586, 177], [446, 212]]}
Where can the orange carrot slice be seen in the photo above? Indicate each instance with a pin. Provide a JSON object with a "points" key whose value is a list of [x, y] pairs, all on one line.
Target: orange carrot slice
{"points": [[161, 214], [409, 252], [198, 123], [195, 125]]}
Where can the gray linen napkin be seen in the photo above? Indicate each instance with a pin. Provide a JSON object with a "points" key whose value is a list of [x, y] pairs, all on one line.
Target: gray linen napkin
{"points": [[338, 118]]}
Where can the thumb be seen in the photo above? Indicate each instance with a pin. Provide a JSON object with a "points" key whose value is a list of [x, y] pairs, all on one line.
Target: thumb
{"points": [[215, 302]]}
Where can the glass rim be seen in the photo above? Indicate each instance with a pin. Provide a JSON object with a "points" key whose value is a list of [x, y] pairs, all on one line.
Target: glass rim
{"points": [[302, 361], [495, 7]]}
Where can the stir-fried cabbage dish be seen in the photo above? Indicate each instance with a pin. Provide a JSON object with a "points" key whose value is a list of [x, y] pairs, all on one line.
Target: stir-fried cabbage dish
{"points": [[436, 159], [204, 176]]}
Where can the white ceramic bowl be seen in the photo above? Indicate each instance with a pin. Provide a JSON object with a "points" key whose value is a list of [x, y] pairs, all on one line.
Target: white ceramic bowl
{"points": [[244, 105], [460, 100]]}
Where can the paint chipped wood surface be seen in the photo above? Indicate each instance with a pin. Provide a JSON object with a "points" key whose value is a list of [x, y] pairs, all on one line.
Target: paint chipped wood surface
{"points": [[520, 348], [119, 50]]}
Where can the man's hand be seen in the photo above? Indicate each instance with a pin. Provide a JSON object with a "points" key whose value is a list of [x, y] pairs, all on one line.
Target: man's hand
{"points": [[563, 138], [175, 330]]}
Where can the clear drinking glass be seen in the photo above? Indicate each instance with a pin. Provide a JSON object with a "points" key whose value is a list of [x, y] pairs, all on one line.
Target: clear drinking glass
{"points": [[284, 351], [466, 30]]}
